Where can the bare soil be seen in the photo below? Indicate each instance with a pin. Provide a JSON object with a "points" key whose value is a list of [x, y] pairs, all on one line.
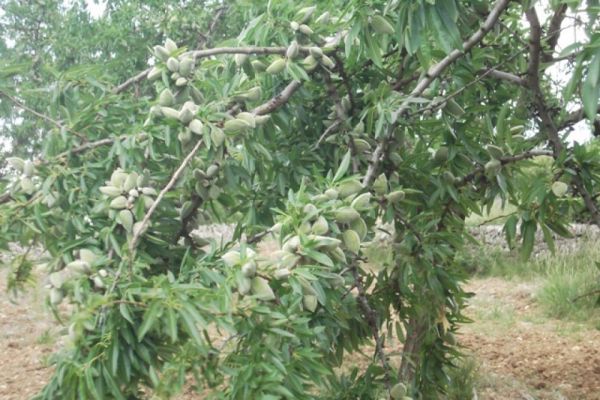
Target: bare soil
{"points": [[524, 355], [521, 354]]}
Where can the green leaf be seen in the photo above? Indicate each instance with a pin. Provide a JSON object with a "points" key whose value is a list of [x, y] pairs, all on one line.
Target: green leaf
{"points": [[590, 91], [150, 317], [318, 257], [528, 229], [343, 168]]}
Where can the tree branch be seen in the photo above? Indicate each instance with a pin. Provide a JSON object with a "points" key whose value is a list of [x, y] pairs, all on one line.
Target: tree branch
{"points": [[504, 161], [217, 17], [42, 116], [140, 231], [548, 125], [196, 54], [371, 317], [506, 76], [279, 100], [433, 73], [554, 32], [572, 118]]}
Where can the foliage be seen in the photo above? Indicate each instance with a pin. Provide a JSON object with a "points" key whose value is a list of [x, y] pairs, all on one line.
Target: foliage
{"points": [[317, 126]]}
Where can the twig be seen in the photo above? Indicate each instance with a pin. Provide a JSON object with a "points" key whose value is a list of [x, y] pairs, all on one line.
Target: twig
{"points": [[176, 175], [42, 116], [216, 19], [554, 31], [548, 125], [327, 132], [590, 293], [572, 118], [278, 100], [433, 73], [506, 76], [504, 160], [371, 317], [207, 53]]}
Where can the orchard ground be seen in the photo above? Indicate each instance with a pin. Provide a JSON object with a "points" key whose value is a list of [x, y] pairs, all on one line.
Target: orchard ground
{"points": [[521, 345]]}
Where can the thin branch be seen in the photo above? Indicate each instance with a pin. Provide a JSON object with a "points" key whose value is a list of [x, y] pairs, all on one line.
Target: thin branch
{"points": [[507, 76], [504, 161], [339, 66], [433, 73], [548, 125], [554, 31], [279, 100], [327, 132], [590, 293], [266, 108], [144, 224], [216, 19], [134, 79], [196, 54], [89, 146], [42, 116], [572, 118], [371, 317]]}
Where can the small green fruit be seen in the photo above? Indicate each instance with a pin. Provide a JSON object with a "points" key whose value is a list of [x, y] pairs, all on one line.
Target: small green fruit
{"points": [[454, 108], [494, 151], [169, 112], [217, 137], [249, 269], [186, 115], [28, 169], [292, 50], [381, 25], [172, 64], [196, 126], [349, 188], [170, 45], [16, 163], [276, 66], [380, 186], [492, 167], [118, 202], [110, 191], [166, 98], [305, 29], [396, 196], [231, 258], [441, 155], [398, 391], [345, 215], [88, 256], [310, 302], [125, 218], [261, 289], [359, 226], [559, 189], [332, 194], [161, 53], [362, 201], [235, 125], [351, 241], [154, 73], [185, 66], [320, 226], [258, 65]]}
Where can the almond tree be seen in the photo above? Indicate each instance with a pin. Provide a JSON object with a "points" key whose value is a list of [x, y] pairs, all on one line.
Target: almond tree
{"points": [[318, 128]]}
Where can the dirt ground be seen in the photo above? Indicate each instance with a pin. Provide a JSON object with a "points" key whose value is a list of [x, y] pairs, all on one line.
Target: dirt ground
{"points": [[520, 354], [523, 355]]}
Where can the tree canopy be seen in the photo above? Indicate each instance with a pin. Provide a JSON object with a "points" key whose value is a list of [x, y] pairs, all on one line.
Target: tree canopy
{"points": [[317, 127]]}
